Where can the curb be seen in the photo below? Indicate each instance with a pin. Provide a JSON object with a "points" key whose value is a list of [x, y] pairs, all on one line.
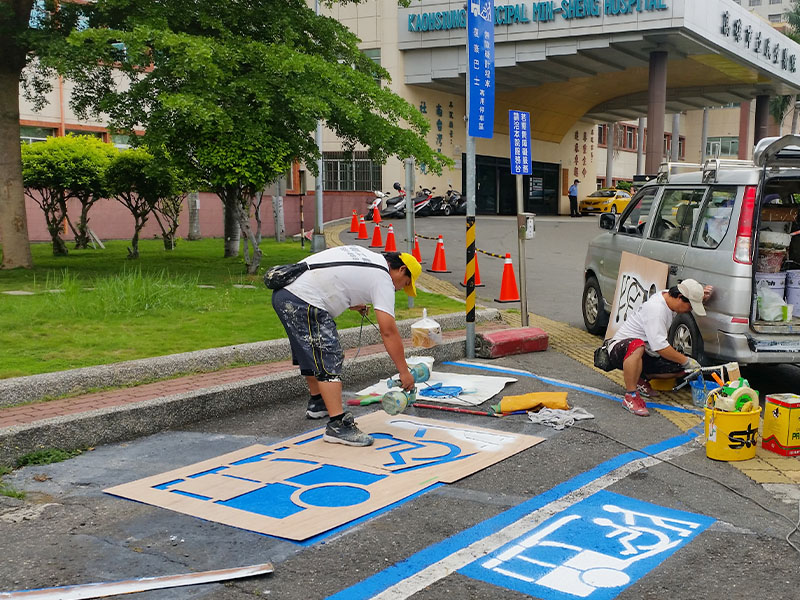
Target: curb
{"points": [[111, 425], [17, 390]]}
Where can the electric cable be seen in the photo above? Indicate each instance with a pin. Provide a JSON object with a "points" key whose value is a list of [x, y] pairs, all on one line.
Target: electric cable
{"points": [[796, 526]]}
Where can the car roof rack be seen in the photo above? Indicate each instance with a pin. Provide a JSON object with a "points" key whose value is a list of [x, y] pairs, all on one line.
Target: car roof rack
{"points": [[710, 168]]}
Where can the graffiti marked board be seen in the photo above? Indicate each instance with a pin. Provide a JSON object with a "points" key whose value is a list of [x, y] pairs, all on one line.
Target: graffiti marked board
{"points": [[303, 486], [594, 549], [638, 279]]}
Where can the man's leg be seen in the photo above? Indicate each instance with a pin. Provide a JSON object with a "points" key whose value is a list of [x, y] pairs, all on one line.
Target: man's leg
{"points": [[632, 369], [331, 392]]}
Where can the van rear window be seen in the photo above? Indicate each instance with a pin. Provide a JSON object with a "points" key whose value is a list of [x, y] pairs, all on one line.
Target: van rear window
{"points": [[715, 217]]}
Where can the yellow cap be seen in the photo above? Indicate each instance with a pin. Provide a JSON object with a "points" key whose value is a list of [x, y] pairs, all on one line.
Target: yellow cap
{"points": [[414, 269]]}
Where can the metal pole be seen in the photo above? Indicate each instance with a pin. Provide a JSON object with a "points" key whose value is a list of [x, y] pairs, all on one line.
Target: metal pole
{"points": [[640, 148], [410, 229], [704, 136], [318, 239], [523, 282], [470, 176]]}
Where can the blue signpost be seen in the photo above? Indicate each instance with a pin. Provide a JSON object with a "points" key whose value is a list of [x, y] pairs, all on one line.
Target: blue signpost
{"points": [[480, 54], [519, 135]]}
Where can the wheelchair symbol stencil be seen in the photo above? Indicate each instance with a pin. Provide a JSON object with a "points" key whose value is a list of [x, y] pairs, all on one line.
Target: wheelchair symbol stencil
{"points": [[593, 550]]}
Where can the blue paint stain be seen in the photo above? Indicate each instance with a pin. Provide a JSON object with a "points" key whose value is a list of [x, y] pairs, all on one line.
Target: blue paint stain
{"points": [[335, 496], [252, 459], [190, 495], [334, 474], [209, 472], [168, 484], [272, 500]]}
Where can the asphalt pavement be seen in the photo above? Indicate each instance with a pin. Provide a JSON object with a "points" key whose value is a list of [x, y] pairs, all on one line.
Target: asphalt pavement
{"points": [[579, 515]]}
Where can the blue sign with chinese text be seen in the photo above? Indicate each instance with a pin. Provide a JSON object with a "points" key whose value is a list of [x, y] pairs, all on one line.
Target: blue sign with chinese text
{"points": [[519, 135], [480, 55]]}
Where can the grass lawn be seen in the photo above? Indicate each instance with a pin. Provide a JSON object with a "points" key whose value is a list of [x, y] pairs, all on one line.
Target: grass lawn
{"points": [[109, 309]]}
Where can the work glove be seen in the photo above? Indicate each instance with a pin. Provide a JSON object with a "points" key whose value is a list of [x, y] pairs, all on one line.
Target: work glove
{"points": [[690, 364]]}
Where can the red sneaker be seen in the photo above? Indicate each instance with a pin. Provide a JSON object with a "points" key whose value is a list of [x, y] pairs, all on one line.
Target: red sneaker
{"points": [[644, 388], [633, 402]]}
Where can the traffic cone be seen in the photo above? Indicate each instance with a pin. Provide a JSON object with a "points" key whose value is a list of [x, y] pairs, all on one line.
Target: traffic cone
{"points": [[477, 274], [377, 239], [509, 292], [391, 246], [439, 261], [415, 252], [376, 215], [354, 223], [362, 230]]}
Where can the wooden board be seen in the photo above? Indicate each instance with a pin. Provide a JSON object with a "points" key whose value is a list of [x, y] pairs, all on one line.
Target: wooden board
{"points": [[638, 279], [303, 486]]}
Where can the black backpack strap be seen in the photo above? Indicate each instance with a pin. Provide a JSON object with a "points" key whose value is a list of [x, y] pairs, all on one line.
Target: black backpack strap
{"points": [[346, 263]]}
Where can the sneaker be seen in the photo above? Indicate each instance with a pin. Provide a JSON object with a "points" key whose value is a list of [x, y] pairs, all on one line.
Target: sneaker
{"points": [[633, 402], [645, 389], [316, 409], [346, 432]]}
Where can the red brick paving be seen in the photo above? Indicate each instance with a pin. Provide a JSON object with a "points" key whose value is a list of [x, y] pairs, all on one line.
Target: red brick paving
{"points": [[30, 413]]}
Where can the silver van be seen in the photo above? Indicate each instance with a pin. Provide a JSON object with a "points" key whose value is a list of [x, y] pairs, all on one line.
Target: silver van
{"points": [[724, 223]]}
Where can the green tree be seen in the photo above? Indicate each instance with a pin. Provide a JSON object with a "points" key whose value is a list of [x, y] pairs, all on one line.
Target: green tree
{"points": [[234, 90], [140, 181], [44, 185]]}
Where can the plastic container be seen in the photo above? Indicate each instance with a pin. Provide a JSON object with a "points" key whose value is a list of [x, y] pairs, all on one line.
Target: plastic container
{"points": [[792, 278], [700, 389], [775, 281], [731, 436], [793, 298], [426, 333]]}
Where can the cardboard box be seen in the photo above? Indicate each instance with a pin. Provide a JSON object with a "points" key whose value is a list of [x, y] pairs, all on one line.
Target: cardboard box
{"points": [[781, 433]]}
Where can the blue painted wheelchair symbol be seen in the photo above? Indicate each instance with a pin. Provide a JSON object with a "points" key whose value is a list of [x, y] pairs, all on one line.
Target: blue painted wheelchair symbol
{"points": [[594, 549]]}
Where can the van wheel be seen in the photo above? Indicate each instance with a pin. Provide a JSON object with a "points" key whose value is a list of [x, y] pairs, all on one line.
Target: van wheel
{"points": [[595, 317], [685, 337]]}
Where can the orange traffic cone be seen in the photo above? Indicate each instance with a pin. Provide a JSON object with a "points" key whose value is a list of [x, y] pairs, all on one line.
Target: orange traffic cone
{"points": [[415, 252], [376, 215], [377, 239], [354, 223], [509, 292], [477, 274], [439, 261], [362, 230], [391, 246]]}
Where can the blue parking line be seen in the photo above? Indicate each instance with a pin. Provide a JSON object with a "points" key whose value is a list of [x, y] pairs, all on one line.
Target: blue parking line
{"points": [[433, 554], [571, 386]]}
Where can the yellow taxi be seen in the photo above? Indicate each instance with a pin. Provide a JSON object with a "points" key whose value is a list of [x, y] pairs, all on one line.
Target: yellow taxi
{"points": [[605, 200]]}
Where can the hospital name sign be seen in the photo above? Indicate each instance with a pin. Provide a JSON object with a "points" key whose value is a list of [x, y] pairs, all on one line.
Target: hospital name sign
{"points": [[541, 12], [758, 43]]}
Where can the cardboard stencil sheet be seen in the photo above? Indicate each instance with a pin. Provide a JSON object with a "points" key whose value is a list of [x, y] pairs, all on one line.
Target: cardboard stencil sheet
{"points": [[303, 486], [477, 388]]}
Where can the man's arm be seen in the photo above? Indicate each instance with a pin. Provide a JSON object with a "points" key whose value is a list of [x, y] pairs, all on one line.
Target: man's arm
{"points": [[394, 346], [671, 354]]}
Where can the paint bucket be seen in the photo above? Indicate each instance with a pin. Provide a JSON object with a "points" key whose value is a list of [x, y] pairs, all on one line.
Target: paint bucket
{"points": [[700, 389], [792, 278], [793, 298], [663, 385], [770, 260], [775, 281], [731, 436]]}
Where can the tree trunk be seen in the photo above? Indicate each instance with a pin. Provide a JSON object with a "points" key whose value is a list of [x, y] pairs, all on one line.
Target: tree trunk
{"points": [[232, 230], [193, 200], [244, 222], [82, 235], [133, 251], [13, 219]]}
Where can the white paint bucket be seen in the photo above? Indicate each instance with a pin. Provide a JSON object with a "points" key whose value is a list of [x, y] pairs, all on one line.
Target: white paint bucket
{"points": [[775, 281], [793, 298], [793, 278]]}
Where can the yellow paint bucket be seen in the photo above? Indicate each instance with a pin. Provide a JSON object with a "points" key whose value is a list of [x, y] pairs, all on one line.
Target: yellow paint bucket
{"points": [[731, 435], [663, 385]]}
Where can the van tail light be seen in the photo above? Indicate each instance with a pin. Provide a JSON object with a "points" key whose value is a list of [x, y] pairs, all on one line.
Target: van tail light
{"points": [[744, 232]]}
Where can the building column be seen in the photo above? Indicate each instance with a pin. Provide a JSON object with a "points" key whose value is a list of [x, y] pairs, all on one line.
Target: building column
{"points": [[704, 136], [675, 146], [762, 118], [656, 108], [610, 139], [744, 130], [640, 147]]}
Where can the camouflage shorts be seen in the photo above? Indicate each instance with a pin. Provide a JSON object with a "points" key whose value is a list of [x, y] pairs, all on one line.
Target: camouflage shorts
{"points": [[312, 336]]}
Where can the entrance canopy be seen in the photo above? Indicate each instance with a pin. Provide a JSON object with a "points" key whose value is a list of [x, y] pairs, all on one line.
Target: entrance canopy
{"points": [[588, 59]]}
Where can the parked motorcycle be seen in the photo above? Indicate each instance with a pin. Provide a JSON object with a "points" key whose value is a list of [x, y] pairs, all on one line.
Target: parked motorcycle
{"points": [[388, 205], [452, 203], [422, 202]]}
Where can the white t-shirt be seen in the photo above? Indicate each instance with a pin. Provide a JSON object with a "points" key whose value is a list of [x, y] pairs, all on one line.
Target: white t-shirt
{"points": [[650, 323], [335, 289]]}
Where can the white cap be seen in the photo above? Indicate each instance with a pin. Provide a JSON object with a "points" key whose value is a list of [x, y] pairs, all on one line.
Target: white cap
{"points": [[694, 292]]}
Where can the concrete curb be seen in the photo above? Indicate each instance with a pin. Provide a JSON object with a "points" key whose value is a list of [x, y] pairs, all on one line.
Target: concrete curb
{"points": [[151, 416], [17, 390]]}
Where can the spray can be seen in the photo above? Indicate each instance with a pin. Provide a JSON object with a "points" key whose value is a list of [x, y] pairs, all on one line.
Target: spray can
{"points": [[396, 401]]}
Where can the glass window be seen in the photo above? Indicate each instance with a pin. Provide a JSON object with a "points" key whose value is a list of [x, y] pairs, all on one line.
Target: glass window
{"points": [[345, 171], [375, 55], [634, 218], [715, 217], [676, 215], [120, 141], [97, 134], [29, 135]]}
